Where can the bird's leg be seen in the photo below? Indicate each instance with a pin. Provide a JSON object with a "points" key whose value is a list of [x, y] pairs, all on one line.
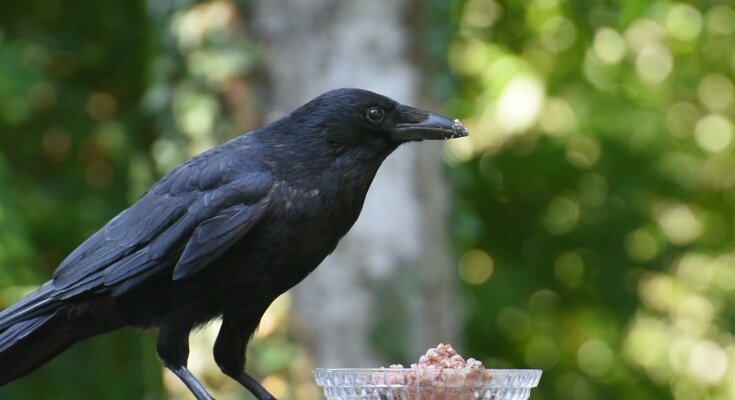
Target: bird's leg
{"points": [[229, 351], [191, 382], [173, 349]]}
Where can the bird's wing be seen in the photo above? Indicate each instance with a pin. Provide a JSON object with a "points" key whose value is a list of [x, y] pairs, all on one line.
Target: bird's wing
{"points": [[211, 225], [125, 234], [178, 213], [216, 235], [207, 230]]}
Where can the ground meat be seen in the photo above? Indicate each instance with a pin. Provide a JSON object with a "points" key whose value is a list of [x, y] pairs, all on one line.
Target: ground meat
{"points": [[441, 373], [444, 356]]}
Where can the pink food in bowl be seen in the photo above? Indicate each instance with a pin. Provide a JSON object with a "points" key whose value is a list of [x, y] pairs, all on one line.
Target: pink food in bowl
{"points": [[443, 356], [441, 373]]}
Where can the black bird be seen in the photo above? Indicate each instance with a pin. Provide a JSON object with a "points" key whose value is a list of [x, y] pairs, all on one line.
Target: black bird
{"points": [[220, 236]]}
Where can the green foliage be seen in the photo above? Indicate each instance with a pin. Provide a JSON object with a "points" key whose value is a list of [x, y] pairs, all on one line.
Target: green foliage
{"points": [[594, 200], [69, 122]]}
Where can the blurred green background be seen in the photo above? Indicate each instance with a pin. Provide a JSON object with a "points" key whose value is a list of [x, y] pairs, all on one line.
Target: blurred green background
{"points": [[593, 204]]}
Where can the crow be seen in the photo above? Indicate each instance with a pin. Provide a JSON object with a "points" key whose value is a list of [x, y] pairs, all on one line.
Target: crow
{"points": [[220, 236]]}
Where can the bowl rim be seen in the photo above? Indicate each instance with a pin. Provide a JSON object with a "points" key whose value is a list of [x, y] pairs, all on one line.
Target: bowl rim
{"points": [[324, 375], [379, 369]]}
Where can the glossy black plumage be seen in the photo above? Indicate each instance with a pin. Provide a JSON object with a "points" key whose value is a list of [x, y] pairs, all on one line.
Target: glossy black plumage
{"points": [[222, 235]]}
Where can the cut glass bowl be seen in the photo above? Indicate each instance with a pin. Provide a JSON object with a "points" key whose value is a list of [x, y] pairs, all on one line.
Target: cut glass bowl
{"points": [[426, 383]]}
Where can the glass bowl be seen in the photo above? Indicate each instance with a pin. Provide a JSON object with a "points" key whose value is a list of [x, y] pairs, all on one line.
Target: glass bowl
{"points": [[426, 383]]}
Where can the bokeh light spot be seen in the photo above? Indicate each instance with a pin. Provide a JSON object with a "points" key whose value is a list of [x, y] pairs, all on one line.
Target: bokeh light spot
{"points": [[681, 118], [647, 344], [42, 96], [594, 357], [609, 46], [458, 151], [166, 154], [659, 292], [561, 215], [582, 151], [205, 19], [643, 33], [542, 353], [715, 91], [696, 270], [112, 136], [721, 20], [542, 303], [694, 315], [708, 362], [641, 246], [713, 133], [593, 189], [558, 33], [679, 223], [56, 144], [101, 106], [687, 389], [196, 114], [475, 267], [470, 56], [481, 13], [683, 167], [520, 103], [569, 268], [557, 117], [683, 22], [654, 64], [723, 276]]}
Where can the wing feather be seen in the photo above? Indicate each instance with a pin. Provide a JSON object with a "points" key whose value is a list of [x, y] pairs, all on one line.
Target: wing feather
{"points": [[215, 236], [149, 237], [213, 197], [210, 226]]}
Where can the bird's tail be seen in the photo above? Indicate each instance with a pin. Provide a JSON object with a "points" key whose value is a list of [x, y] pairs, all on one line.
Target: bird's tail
{"points": [[30, 339], [29, 344]]}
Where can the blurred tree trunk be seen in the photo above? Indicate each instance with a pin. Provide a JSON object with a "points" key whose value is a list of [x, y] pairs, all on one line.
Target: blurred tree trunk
{"points": [[388, 291]]}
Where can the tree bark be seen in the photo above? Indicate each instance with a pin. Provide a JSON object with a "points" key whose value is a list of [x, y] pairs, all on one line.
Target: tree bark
{"points": [[388, 291]]}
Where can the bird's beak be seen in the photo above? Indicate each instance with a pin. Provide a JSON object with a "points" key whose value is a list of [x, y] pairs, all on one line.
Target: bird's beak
{"points": [[432, 127]]}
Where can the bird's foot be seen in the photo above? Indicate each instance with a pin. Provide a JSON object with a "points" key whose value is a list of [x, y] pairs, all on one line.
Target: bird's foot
{"points": [[191, 382]]}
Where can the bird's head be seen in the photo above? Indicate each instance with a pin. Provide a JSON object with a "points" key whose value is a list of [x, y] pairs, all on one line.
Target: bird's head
{"points": [[356, 118]]}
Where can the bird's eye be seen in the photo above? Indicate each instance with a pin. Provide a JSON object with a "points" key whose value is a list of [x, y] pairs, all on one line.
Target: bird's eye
{"points": [[375, 114]]}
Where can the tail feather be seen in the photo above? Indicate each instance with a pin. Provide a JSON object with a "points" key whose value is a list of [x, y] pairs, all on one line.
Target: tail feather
{"points": [[29, 344], [34, 304], [20, 331], [31, 338]]}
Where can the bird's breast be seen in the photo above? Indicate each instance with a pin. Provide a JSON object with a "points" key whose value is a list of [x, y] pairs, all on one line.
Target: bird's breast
{"points": [[303, 224], [325, 212]]}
